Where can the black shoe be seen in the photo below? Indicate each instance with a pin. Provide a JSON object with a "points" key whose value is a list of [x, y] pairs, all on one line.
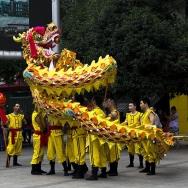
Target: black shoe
{"points": [[79, 174], [40, 170], [52, 169], [130, 165], [72, 173], [103, 173], [94, 174], [16, 164], [114, 169], [150, 173], [110, 170], [113, 174], [92, 178], [141, 166], [66, 173], [146, 169], [51, 172], [75, 167], [64, 164], [85, 168], [34, 170]]}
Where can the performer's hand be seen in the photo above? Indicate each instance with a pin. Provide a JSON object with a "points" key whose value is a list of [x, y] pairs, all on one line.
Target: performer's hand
{"points": [[2, 124], [104, 104]]}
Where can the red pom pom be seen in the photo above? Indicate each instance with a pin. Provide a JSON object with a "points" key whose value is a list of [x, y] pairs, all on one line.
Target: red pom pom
{"points": [[2, 100]]}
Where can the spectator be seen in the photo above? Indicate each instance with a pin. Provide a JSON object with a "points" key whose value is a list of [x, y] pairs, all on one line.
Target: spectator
{"points": [[173, 125], [165, 122], [157, 120]]}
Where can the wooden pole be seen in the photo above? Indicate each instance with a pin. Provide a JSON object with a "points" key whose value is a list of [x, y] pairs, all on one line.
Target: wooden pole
{"points": [[5, 141], [105, 94]]}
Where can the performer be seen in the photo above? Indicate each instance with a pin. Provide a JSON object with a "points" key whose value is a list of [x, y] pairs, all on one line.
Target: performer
{"points": [[79, 142], [70, 149], [148, 118], [56, 147], [14, 124], [113, 149], [3, 120], [134, 117], [97, 154], [40, 128]]}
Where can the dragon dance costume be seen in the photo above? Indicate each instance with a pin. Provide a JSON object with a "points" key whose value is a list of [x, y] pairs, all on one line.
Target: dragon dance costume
{"points": [[14, 147], [56, 147], [79, 135], [51, 85], [134, 147], [96, 146], [38, 145], [97, 153], [113, 153], [150, 160]]}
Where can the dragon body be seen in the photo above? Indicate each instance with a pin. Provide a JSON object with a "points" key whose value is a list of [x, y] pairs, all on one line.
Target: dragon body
{"points": [[54, 77]]}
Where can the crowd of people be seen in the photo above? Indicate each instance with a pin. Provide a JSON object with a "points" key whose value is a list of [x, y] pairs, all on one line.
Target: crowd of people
{"points": [[101, 152]]}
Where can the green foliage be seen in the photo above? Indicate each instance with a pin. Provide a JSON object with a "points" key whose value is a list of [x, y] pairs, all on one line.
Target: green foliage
{"points": [[11, 70], [148, 39]]}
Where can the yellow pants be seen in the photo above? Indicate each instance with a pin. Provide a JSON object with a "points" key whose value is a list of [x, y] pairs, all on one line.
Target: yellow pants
{"points": [[38, 151], [113, 152], [56, 147], [97, 153], [16, 148], [79, 149], [134, 148], [70, 147]]}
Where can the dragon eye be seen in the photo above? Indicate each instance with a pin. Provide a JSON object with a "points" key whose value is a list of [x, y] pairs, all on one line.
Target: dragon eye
{"points": [[57, 39], [39, 37]]}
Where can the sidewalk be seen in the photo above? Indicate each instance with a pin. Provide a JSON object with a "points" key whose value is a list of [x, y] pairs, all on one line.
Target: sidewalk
{"points": [[172, 172]]}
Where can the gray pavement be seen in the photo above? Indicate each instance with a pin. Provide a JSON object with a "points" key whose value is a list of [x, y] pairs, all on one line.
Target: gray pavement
{"points": [[172, 172]]}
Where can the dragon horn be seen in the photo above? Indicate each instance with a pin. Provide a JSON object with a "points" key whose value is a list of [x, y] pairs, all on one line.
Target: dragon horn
{"points": [[17, 39], [32, 46]]}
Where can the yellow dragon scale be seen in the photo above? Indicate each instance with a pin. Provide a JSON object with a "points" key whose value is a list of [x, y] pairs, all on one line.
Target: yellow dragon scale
{"points": [[52, 77]]}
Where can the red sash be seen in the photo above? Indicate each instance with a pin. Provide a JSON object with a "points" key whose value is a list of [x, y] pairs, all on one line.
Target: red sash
{"points": [[13, 131], [54, 127], [43, 142]]}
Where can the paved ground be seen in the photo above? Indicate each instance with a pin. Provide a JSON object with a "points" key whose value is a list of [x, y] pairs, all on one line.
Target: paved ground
{"points": [[172, 172]]}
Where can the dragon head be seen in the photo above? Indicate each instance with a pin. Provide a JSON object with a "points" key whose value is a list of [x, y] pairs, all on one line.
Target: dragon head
{"points": [[37, 43]]}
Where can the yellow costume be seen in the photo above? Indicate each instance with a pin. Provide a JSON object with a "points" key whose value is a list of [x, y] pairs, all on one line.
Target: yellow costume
{"points": [[79, 142], [133, 119], [70, 147], [55, 144], [113, 149], [15, 135], [146, 121], [56, 147], [97, 154], [38, 146]]}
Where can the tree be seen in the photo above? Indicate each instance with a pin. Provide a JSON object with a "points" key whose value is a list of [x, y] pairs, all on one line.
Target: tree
{"points": [[11, 70], [148, 39]]}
